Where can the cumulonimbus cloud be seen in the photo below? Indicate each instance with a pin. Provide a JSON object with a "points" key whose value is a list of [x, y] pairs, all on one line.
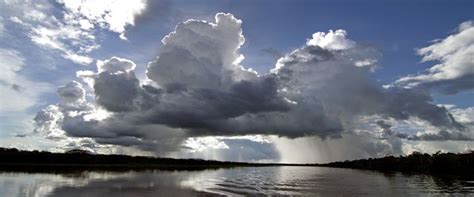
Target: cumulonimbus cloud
{"points": [[198, 87]]}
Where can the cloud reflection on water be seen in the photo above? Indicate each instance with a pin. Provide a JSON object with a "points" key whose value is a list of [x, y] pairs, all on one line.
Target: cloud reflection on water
{"points": [[234, 181]]}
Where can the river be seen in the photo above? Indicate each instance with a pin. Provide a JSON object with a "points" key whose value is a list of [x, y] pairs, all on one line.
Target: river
{"points": [[288, 180]]}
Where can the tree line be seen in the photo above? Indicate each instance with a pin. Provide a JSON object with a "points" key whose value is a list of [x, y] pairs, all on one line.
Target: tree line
{"points": [[81, 157], [438, 163]]}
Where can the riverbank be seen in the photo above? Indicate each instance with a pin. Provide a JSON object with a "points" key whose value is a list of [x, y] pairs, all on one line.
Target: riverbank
{"points": [[43, 161], [458, 164]]}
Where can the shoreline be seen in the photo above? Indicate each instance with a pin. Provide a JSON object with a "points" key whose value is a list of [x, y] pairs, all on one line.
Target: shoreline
{"points": [[458, 164]]}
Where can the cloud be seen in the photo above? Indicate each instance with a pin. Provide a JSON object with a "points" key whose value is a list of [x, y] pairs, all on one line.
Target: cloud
{"points": [[442, 135], [2, 27], [435, 146], [19, 96], [465, 116], [48, 123], [73, 121], [272, 52], [312, 149], [253, 148], [197, 87], [19, 92], [12, 62], [115, 65], [116, 87], [333, 40], [114, 15], [71, 93], [201, 144], [207, 55], [454, 71], [73, 31], [415, 129], [55, 33]]}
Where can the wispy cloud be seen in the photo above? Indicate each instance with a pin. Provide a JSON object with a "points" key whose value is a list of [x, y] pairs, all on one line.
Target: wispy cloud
{"points": [[18, 93], [454, 71], [73, 30]]}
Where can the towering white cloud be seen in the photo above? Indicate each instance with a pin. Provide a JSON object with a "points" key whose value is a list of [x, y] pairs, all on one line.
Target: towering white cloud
{"points": [[454, 71], [333, 40], [199, 54]]}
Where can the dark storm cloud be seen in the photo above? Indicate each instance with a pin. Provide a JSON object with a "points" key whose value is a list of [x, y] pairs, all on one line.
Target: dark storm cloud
{"points": [[116, 86], [386, 128], [452, 86], [116, 92], [199, 108], [71, 92], [387, 131], [403, 103]]}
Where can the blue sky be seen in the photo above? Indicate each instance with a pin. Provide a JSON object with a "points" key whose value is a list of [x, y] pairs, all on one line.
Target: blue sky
{"points": [[40, 61]]}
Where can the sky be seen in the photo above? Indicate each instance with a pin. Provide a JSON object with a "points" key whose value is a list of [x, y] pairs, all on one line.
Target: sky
{"points": [[259, 81]]}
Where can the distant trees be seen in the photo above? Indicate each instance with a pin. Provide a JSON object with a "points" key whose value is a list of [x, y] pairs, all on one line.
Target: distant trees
{"points": [[77, 151], [80, 159], [438, 163]]}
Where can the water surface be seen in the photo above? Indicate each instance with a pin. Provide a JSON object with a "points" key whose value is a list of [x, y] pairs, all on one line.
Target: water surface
{"points": [[314, 181]]}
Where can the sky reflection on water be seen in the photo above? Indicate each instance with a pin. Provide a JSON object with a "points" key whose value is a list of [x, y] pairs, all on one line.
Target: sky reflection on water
{"points": [[235, 181]]}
